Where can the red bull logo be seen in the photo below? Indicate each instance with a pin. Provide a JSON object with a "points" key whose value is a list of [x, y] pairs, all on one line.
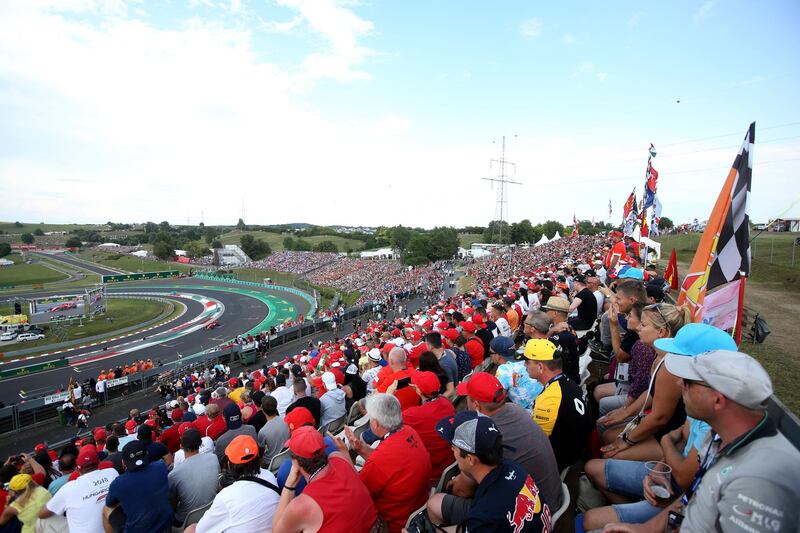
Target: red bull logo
{"points": [[526, 507]]}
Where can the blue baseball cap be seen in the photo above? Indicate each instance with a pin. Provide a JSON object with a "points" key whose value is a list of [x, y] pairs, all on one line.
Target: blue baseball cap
{"points": [[629, 272], [469, 431], [503, 346], [696, 338]]}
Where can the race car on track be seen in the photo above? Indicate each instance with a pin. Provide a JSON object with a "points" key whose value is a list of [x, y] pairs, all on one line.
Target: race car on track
{"points": [[213, 324], [64, 307]]}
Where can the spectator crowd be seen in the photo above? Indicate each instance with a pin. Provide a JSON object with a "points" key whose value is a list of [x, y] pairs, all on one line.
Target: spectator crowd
{"points": [[465, 412]]}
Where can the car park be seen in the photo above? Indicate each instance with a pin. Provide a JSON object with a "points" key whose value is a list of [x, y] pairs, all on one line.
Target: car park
{"points": [[29, 337]]}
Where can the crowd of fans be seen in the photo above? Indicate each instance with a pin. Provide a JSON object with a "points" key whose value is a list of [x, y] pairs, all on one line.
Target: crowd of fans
{"points": [[296, 262], [480, 397]]}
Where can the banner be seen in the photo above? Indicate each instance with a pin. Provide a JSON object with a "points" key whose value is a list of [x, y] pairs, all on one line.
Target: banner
{"points": [[56, 398], [116, 382], [722, 306]]}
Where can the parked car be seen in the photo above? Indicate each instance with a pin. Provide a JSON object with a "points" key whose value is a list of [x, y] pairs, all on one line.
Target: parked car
{"points": [[8, 336], [30, 337], [34, 329]]}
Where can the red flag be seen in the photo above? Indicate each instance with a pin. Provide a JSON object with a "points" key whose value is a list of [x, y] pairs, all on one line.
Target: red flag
{"points": [[628, 207], [574, 226], [671, 275]]}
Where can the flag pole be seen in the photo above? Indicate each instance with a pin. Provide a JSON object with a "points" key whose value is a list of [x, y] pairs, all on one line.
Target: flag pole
{"points": [[738, 330]]}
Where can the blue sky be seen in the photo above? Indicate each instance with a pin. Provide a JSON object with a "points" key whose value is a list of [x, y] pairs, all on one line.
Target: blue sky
{"points": [[388, 112]]}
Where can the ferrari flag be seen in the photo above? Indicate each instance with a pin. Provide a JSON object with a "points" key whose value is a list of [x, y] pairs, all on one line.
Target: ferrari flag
{"points": [[724, 251]]}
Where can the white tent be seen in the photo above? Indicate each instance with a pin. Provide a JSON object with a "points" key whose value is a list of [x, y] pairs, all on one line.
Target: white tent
{"points": [[647, 242], [555, 237], [140, 253], [543, 240]]}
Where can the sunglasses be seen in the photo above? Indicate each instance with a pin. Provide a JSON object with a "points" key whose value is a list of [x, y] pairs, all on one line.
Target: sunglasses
{"points": [[657, 307], [689, 382]]}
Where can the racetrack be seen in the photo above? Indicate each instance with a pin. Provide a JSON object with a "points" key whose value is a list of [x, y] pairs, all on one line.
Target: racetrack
{"points": [[242, 309]]}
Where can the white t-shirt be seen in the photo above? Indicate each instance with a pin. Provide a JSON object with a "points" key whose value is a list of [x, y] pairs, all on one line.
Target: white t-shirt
{"points": [[206, 446], [284, 396], [503, 328], [244, 507], [83, 499], [369, 377], [100, 387], [601, 299]]}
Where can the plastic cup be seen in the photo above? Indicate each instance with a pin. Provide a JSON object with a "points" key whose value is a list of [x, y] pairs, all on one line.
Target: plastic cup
{"points": [[660, 475]]}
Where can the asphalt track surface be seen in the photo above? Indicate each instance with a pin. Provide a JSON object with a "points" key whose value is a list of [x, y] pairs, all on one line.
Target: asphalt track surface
{"points": [[241, 313], [92, 267]]}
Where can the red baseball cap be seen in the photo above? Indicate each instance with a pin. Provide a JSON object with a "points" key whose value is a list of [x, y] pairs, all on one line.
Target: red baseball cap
{"points": [[468, 326], [100, 434], [416, 335], [183, 427], [130, 426], [299, 417], [40, 448], [428, 324], [305, 442], [482, 387], [426, 382], [87, 456], [478, 320], [451, 334], [177, 414]]}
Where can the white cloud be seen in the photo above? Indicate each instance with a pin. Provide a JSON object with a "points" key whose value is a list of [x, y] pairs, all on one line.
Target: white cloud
{"points": [[531, 28], [704, 12], [568, 39]]}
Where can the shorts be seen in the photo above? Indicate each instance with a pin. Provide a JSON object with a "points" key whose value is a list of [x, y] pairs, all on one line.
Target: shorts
{"points": [[625, 477], [455, 509], [636, 513]]}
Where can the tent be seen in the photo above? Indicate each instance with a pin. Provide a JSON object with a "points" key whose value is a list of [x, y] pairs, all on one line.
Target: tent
{"points": [[543, 240], [555, 237], [647, 242], [140, 253]]}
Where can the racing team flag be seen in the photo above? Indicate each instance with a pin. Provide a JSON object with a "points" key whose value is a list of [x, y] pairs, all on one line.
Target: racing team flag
{"points": [[724, 251], [671, 274]]}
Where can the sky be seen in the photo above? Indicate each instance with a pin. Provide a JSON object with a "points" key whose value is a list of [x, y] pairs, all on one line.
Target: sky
{"points": [[382, 113]]}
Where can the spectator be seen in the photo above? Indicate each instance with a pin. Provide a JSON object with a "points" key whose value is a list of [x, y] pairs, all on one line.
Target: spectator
{"points": [[303, 400], [497, 315], [527, 442], [584, 303], [155, 450], [473, 344], [233, 419], [561, 334], [82, 499], [519, 386], [335, 499], [66, 465], [398, 487], [247, 406], [561, 408], [25, 500], [300, 417], [506, 498], [193, 481], [748, 476], [248, 505], [429, 363], [138, 499], [170, 437], [114, 455], [447, 360], [206, 444], [216, 422], [423, 419], [332, 400], [282, 393], [275, 432]]}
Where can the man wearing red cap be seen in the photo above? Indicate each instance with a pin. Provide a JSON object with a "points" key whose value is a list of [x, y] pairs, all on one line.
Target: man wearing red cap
{"points": [[335, 499], [82, 499], [170, 437], [415, 348], [424, 418], [617, 252]]}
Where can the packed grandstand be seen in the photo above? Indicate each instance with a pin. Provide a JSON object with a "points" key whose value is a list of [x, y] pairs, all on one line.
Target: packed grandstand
{"points": [[471, 409]]}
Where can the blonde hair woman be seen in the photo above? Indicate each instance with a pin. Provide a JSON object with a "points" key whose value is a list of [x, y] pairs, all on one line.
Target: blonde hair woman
{"points": [[25, 500], [660, 408]]}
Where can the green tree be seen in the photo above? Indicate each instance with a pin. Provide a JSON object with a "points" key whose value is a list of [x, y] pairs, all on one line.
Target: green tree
{"points": [[302, 245], [216, 243], [164, 226], [523, 231], [211, 234], [196, 249], [498, 231], [150, 227], [418, 249], [73, 242], [399, 237], [38, 232], [443, 243], [288, 243], [27, 238], [240, 225], [163, 250], [5, 249], [18, 224], [165, 237], [665, 223], [326, 246], [550, 228]]}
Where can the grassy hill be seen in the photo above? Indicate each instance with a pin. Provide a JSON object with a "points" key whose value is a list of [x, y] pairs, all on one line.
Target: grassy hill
{"points": [[275, 240]]}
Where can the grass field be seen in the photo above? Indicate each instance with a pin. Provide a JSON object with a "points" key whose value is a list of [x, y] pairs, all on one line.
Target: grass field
{"points": [[122, 313], [771, 290], [24, 274], [466, 240], [275, 240], [130, 263]]}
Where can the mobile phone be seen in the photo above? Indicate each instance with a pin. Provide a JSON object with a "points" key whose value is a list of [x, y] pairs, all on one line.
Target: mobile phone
{"points": [[405, 382]]}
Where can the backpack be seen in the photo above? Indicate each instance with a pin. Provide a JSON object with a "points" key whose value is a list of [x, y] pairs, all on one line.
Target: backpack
{"points": [[463, 362]]}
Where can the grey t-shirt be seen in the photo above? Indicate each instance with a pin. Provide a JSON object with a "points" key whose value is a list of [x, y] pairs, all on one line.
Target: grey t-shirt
{"points": [[332, 406], [751, 488], [193, 483], [449, 365], [272, 437], [532, 450], [228, 436]]}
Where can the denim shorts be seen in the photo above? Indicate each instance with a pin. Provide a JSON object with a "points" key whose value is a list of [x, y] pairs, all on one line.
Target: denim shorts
{"points": [[636, 513], [625, 477]]}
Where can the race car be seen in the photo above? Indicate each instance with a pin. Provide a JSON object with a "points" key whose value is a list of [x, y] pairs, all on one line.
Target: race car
{"points": [[64, 307], [213, 324]]}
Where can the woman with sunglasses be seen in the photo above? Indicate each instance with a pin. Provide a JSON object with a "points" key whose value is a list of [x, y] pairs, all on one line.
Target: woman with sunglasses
{"points": [[661, 405]]}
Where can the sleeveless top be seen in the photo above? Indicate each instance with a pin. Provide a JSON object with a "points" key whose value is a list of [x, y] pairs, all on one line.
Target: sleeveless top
{"points": [[678, 415], [344, 499]]}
